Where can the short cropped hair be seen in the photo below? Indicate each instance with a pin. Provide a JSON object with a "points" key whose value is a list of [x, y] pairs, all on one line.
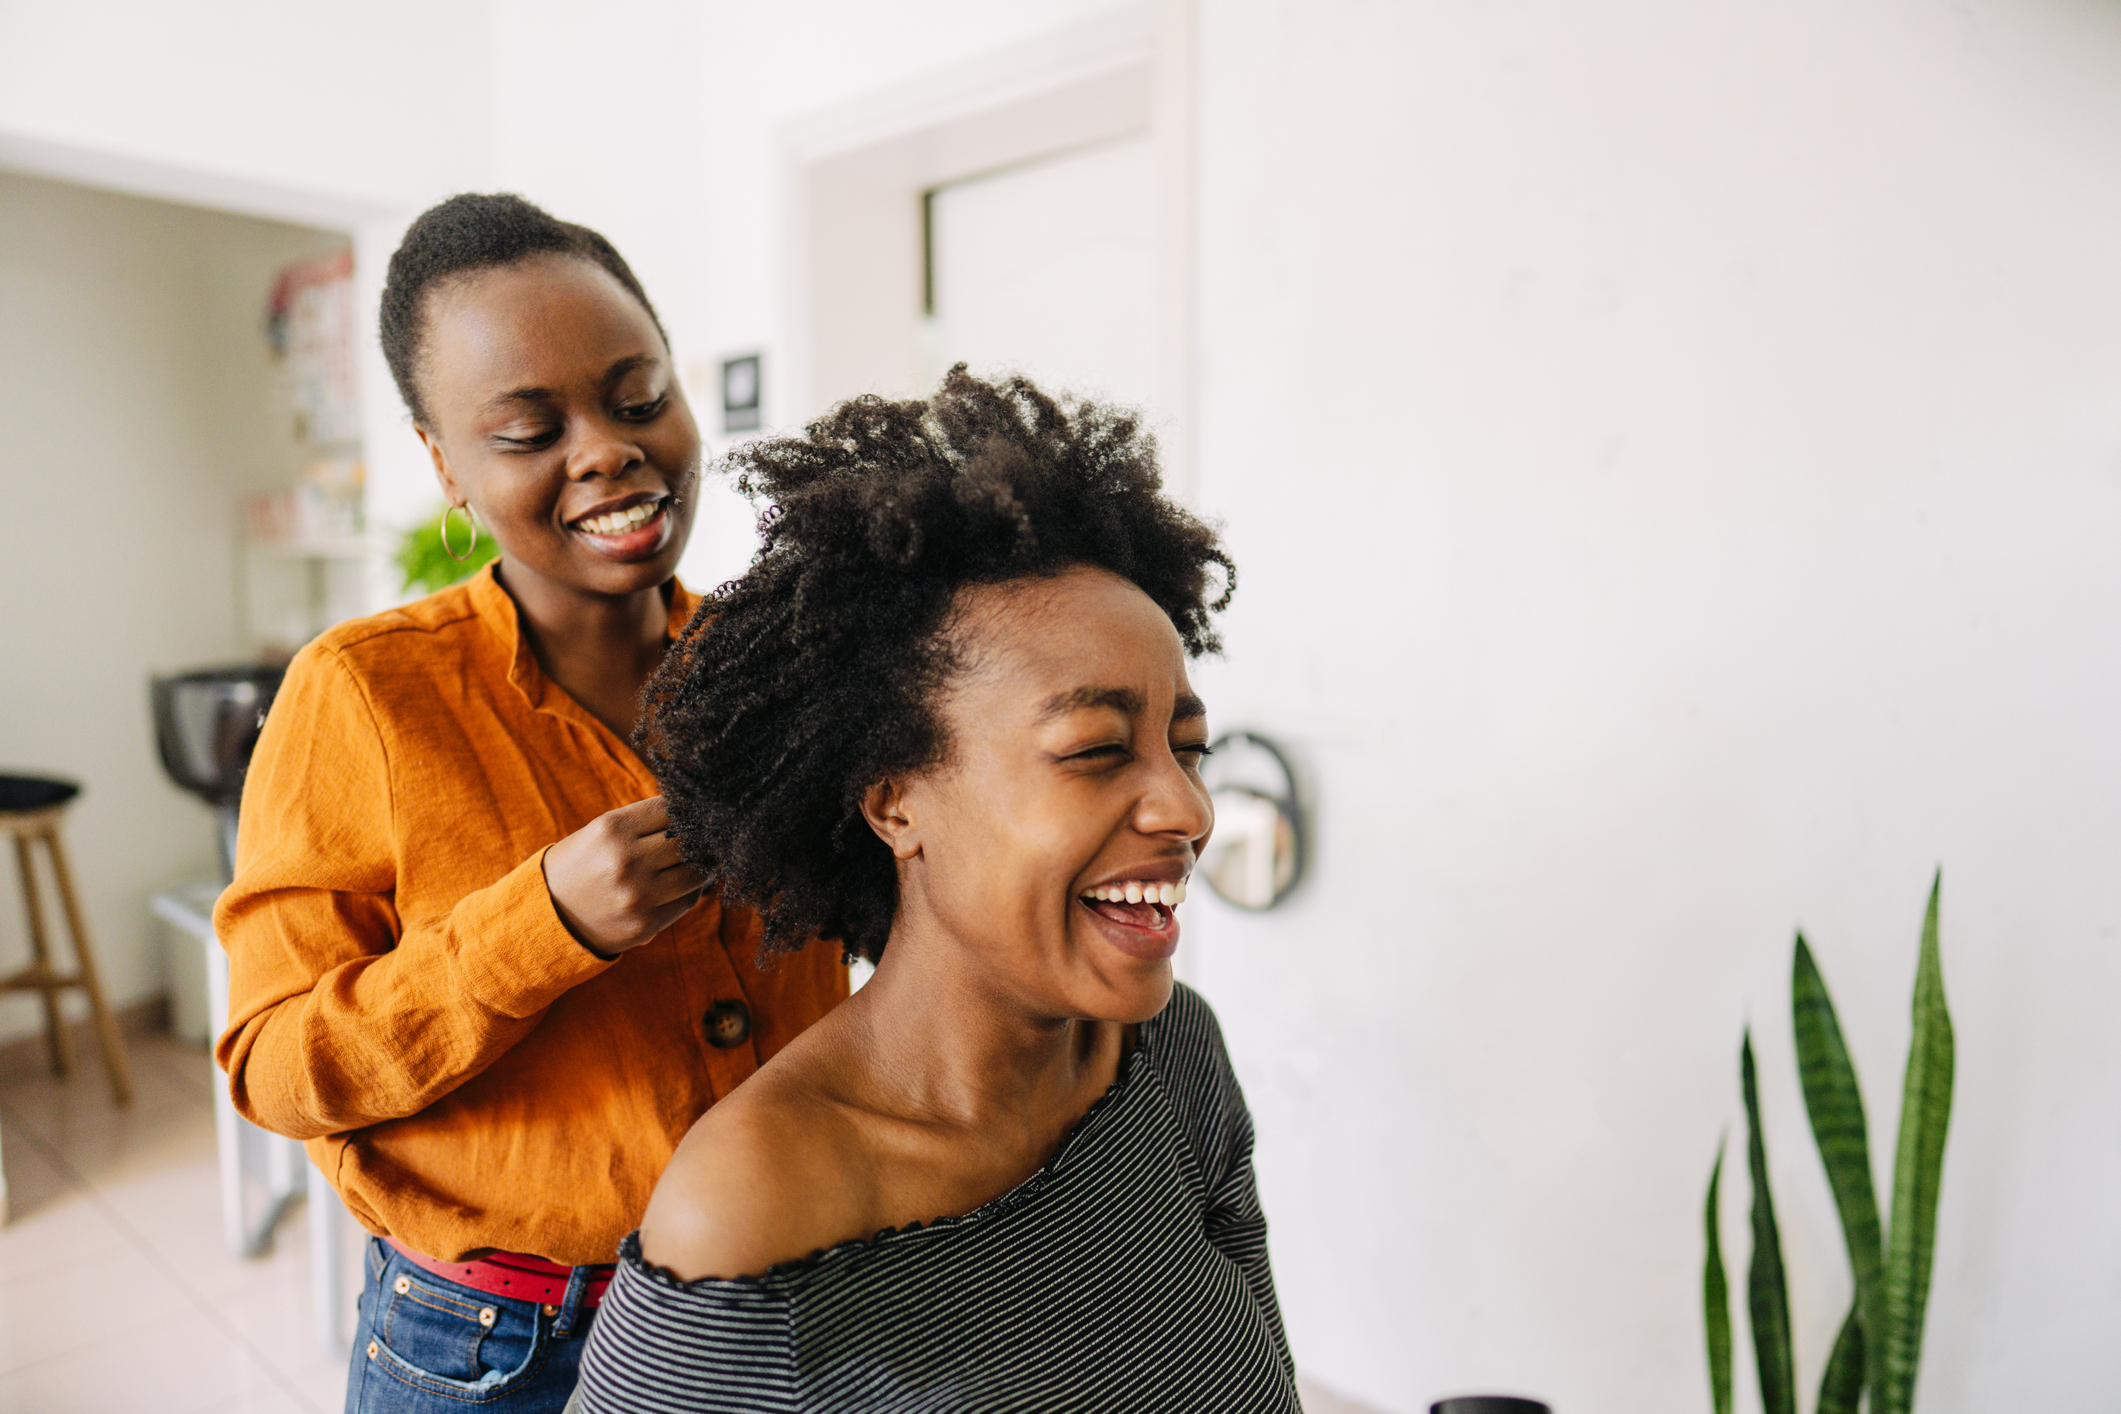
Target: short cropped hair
{"points": [[469, 232]]}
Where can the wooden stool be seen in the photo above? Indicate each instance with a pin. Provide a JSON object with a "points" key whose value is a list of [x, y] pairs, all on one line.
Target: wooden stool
{"points": [[30, 807]]}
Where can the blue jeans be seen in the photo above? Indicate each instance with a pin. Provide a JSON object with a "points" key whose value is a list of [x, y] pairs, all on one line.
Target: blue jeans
{"points": [[424, 1345]]}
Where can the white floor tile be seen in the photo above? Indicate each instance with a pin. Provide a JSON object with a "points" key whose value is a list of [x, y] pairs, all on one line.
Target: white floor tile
{"points": [[34, 1177], [83, 1304], [102, 1144], [323, 1384], [117, 1290], [1317, 1399], [179, 1362], [266, 1399], [54, 1221]]}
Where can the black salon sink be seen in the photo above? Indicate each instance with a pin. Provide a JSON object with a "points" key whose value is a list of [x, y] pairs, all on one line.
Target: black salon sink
{"points": [[206, 726]]}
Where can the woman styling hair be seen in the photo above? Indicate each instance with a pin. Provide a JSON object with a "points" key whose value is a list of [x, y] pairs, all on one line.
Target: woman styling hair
{"points": [[945, 719], [467, 963]]}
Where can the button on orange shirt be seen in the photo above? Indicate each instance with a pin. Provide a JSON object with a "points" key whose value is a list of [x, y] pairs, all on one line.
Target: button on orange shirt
{"points": [[401, 992]]}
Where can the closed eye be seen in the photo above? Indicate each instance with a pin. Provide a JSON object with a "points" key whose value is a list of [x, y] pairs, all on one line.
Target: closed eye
{"points": [[645, 412], [533, 442]]}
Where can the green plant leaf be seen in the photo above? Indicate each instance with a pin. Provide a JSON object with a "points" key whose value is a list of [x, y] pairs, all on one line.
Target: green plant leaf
{"points": [[1918, 1167], [1835, 1105], [1842, 1386], [1767, 1293], [1716, 1299], [427, 566]]}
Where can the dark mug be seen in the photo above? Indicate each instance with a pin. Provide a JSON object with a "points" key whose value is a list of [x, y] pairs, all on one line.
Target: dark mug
{"points": [[1488, 1404]]}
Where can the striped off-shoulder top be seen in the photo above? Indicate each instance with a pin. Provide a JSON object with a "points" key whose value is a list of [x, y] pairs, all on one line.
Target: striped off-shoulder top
{"points": [[1128, 1274]]}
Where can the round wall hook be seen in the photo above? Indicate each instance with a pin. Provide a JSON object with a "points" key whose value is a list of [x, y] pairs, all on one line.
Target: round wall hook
{"points": [[1259, 850]]}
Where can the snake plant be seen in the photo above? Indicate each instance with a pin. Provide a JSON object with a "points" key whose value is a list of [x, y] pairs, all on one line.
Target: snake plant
{"points": [[1879, 1347], [1715, 1299]]}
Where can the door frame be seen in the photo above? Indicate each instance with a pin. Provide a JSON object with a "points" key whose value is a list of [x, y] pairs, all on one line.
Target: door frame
{"points": [[853, 178]]}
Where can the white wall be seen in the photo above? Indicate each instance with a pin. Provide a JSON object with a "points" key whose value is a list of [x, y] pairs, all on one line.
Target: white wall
{"points": [[1674, 457], [377, 106], [141, 407]]}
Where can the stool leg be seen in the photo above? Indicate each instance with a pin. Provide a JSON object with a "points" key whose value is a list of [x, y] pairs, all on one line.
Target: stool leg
{"points": [[55, 1033], [121, 1074]]}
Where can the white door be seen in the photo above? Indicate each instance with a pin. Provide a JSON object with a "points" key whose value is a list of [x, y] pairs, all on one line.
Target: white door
{"points": [[1049, 269]]}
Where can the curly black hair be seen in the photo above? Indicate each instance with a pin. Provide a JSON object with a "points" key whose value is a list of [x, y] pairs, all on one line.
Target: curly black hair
{"points": [[816, 675], [476, 231]]}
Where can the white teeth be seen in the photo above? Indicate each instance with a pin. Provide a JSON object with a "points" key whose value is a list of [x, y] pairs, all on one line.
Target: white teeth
{"points": [[619, 522], [1136, 891]]}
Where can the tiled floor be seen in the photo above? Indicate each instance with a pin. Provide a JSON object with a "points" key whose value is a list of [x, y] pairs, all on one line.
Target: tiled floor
{"points": [[117, 1293]]}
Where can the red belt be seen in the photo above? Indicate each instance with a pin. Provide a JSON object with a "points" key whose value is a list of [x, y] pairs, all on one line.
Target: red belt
{"points": [[515, 1275]]}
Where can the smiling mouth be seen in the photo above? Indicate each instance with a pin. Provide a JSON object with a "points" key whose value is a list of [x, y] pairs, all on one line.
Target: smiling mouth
{"points": [[1137, 904], [622, 522]]}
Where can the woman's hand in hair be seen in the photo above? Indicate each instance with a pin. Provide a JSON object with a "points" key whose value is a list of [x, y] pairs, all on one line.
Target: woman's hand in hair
{"points": [[618, 881]]}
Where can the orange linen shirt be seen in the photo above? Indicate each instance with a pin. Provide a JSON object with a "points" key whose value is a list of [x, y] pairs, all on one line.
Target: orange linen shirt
{"points": [[403, 995]]}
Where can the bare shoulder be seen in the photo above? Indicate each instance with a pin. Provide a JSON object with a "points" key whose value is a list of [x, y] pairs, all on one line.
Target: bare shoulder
{"points": [[770, 1174]]}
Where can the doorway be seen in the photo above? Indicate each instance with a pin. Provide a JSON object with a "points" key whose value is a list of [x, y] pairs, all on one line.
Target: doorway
{"points": [[1048, 269], [1028, 211]]}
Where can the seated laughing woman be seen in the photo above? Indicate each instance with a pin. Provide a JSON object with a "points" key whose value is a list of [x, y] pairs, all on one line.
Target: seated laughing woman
{"points": [[945, 719]]}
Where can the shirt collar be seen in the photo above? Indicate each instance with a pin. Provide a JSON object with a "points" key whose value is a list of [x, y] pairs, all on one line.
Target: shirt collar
{"points": [[499, 613]]}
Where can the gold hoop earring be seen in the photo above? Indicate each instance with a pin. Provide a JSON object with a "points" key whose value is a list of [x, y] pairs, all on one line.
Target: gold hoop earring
{"points": [[469, 550]]}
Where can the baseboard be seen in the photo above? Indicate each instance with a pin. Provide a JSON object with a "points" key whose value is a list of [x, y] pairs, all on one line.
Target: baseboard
{"points": [[28, 1054]]}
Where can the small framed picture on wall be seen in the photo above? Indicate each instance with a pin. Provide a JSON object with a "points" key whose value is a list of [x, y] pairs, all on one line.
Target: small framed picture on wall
{"points": [[741, 389]]}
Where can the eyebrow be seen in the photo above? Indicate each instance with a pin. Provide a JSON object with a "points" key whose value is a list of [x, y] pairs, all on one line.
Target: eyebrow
{"points": [[612, 375], [1185, 708]]}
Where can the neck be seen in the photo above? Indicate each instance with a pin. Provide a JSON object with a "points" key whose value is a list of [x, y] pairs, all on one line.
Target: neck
{"points": [[599, 648], [943, 1041]]}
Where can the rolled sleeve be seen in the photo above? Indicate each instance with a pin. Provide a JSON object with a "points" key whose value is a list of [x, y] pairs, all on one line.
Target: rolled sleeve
{"points": [[517, 957]]}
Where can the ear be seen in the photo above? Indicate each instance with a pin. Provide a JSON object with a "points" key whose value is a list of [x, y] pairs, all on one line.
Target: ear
{"points": [[449, 485], [890, 813]]}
